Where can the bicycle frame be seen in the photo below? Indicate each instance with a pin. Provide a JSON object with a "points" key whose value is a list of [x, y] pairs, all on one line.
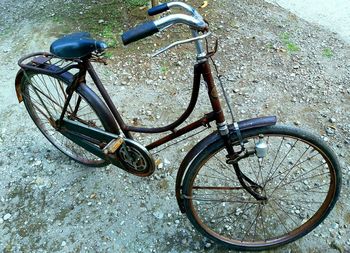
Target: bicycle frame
{"points": [[200, 69]]}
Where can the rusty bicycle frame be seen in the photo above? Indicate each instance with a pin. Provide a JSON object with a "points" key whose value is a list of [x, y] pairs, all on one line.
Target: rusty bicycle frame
{"points": [[216, 115]]}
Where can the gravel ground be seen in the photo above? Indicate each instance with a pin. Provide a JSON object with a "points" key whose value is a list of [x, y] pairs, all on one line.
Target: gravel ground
{"points": [[273, 64]]}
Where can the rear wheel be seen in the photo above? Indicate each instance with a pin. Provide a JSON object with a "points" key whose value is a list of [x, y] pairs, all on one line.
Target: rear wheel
{"points": [[44, 96], [299, 176]]}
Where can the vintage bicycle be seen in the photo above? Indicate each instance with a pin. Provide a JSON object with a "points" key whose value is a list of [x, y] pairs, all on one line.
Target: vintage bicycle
{"points": [[249, 185]]}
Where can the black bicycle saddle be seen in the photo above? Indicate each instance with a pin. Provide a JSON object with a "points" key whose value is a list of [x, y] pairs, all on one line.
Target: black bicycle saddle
{"points": [[76, 45]]}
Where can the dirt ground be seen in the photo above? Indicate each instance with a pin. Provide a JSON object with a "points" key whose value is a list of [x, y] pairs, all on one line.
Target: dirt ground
{"points": [[273, 63]]}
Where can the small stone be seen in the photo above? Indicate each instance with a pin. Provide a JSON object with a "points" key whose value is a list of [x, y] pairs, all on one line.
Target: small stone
{"points": [[7, 216], [1, 220], [330, 131], [332, 120], [177, 221], [37, 163], [63, 243], [158, 215], [101, 21], [166, 163], [208, 245]]}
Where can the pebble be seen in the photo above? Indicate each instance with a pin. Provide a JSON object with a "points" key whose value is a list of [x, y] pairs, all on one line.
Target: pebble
{"points": [[1, 220], [36, 163], [158, 215], [330, 131], [332, 120], [236, 90], [63, 243], [7, 216], [208, 245]]}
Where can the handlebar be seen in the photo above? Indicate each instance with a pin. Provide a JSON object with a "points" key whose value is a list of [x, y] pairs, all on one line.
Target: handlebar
{"points": [[144, 30], [139, 32], [166, 6], [158, 9]]}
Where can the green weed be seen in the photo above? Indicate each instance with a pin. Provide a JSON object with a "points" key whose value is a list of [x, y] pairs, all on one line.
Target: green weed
{"points": [[108, 55], [327, 52], [137, 3], [290, 46], [163, 69], [110, 36]]}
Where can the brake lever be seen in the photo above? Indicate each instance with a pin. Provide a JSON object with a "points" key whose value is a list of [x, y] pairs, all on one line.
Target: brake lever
{"points": [[179, 43]]}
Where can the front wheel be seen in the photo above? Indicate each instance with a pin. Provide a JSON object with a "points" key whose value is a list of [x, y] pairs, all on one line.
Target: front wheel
{"points": [[299, 178]]}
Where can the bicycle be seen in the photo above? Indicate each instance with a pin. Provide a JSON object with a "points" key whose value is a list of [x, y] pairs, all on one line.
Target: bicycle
{"points": [[250, 185]]}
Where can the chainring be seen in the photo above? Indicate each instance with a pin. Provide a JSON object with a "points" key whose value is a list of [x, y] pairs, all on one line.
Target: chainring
{"points": [[135, 158]]}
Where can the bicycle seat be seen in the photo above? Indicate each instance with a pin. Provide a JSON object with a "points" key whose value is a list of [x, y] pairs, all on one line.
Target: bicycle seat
{"points": [[76, 45]]}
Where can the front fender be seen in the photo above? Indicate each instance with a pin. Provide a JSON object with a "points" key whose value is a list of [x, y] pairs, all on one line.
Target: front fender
{"points": [[210, 139]]}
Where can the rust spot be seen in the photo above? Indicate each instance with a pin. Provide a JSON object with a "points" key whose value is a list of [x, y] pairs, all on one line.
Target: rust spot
{"points": [[214, 94]]}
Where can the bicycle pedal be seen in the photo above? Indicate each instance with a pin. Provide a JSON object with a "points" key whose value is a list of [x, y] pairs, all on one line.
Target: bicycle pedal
{"points": [[113, 146]]}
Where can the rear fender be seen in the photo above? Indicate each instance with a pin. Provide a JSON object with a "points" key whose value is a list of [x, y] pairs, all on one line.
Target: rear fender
{"points": [[46, 67], [18, 80], [210, 139], [106, 117]]}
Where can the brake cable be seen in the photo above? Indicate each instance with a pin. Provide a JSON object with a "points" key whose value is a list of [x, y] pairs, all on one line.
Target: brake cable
{"points": [[210, 55]]}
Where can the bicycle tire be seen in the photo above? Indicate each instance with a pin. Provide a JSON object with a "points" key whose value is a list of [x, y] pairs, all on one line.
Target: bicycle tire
{"points": [[44, 94], [308, 171]]}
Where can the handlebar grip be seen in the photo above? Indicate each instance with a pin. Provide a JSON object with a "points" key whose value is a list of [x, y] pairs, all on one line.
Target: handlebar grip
{"points": [[139, 32], [158, 9]]}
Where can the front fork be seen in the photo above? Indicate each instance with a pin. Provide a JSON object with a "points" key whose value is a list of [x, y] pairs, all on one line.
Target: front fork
{"points": [[234, 156]]}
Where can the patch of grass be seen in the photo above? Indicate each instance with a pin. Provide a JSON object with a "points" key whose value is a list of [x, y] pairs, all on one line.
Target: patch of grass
{"points": [[136, 3], [110, 36], [290, 46], [164, 69], [327, 52], [269, 46], [105, 19], [108, 55]]}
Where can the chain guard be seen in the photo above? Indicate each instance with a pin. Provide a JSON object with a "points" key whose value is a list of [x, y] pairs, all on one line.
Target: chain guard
{"points": [[135, 159]]}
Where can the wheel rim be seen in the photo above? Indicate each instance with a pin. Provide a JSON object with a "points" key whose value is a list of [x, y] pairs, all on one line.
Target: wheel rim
{"points": [[44, 97], [300, 190]]}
